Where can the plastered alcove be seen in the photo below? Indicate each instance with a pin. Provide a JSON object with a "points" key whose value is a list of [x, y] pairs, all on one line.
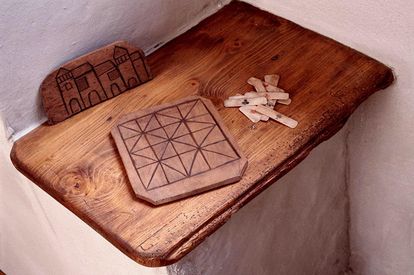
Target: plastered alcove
{"points": [[60, 229], [61, 236]]}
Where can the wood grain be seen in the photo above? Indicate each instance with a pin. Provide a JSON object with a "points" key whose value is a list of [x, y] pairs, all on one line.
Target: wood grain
{"points": [[176, 150], [93, 78], [76, 161]]}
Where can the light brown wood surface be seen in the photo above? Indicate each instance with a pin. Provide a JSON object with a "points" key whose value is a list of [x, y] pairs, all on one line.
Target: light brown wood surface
{"points": [[76, 161], [93, 78], [176, 150]]}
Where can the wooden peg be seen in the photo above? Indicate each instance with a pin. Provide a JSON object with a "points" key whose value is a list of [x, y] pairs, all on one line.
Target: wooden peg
{"points": [[257, 83], [246, 95], [284, 101], [269, 96], [276, 116], [271, 88], [251, 114], [273, 95], [272, 79], [263, 117], [271, 103], [245, 102]]}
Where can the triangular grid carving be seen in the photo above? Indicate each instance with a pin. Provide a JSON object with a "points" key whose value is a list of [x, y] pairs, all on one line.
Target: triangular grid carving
{"points": [[176, 143]]}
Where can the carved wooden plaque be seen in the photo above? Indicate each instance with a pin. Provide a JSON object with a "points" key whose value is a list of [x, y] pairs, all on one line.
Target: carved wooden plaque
{"points": [[176, 150], [92, 79]]}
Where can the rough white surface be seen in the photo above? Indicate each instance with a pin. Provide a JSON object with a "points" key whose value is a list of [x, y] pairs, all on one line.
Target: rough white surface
{"points": [[298, 226], [38, 36], [381, 140], [382, 169]]}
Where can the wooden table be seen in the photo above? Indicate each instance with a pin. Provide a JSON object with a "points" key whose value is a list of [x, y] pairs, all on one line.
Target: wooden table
{"points": [[77, 163]]}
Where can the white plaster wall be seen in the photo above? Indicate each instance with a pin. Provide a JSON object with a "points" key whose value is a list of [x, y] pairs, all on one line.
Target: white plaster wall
{"points": [[37, 36], [382, 160], [298, 226], [381, 140]]}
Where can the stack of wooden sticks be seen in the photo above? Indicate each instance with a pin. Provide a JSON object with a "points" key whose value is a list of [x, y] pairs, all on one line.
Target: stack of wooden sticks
{"points": [[259, 105]]}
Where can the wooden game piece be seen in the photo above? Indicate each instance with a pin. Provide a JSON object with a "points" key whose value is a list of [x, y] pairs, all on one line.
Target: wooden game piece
{"points": [[260, 116], [284, 101], [236, 96], [257, 83], [272, 95], [272, 79], [276, 116], [177, 150], [93, 78], [245, 102], [263, 117], [271, 104], [271, 88], [270, 82], [247, 111], [272, 98], [245, 96], [251, 114]]}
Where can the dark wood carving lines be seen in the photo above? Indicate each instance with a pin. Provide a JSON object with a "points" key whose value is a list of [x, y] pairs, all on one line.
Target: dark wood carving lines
{"points": [[177, 145], [92, 79]]}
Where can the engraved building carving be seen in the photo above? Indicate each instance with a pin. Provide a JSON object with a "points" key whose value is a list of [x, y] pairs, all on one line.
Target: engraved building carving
{"points": [[88, 85]]}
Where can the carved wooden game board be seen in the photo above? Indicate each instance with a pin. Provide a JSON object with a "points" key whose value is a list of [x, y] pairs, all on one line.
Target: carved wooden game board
{"points": [[92, 79], [177, 150]]}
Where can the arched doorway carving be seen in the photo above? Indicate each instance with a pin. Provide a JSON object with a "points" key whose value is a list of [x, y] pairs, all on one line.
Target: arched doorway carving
{"points": [[115, 89], [132, 82], [94, 98], [74, 106]]}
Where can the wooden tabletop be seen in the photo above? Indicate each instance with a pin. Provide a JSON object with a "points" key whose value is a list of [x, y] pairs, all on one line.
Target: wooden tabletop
{"points": [[77, 163]]}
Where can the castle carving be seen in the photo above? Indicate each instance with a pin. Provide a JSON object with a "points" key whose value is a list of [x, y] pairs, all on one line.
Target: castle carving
{"points": [[88, 85]]}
